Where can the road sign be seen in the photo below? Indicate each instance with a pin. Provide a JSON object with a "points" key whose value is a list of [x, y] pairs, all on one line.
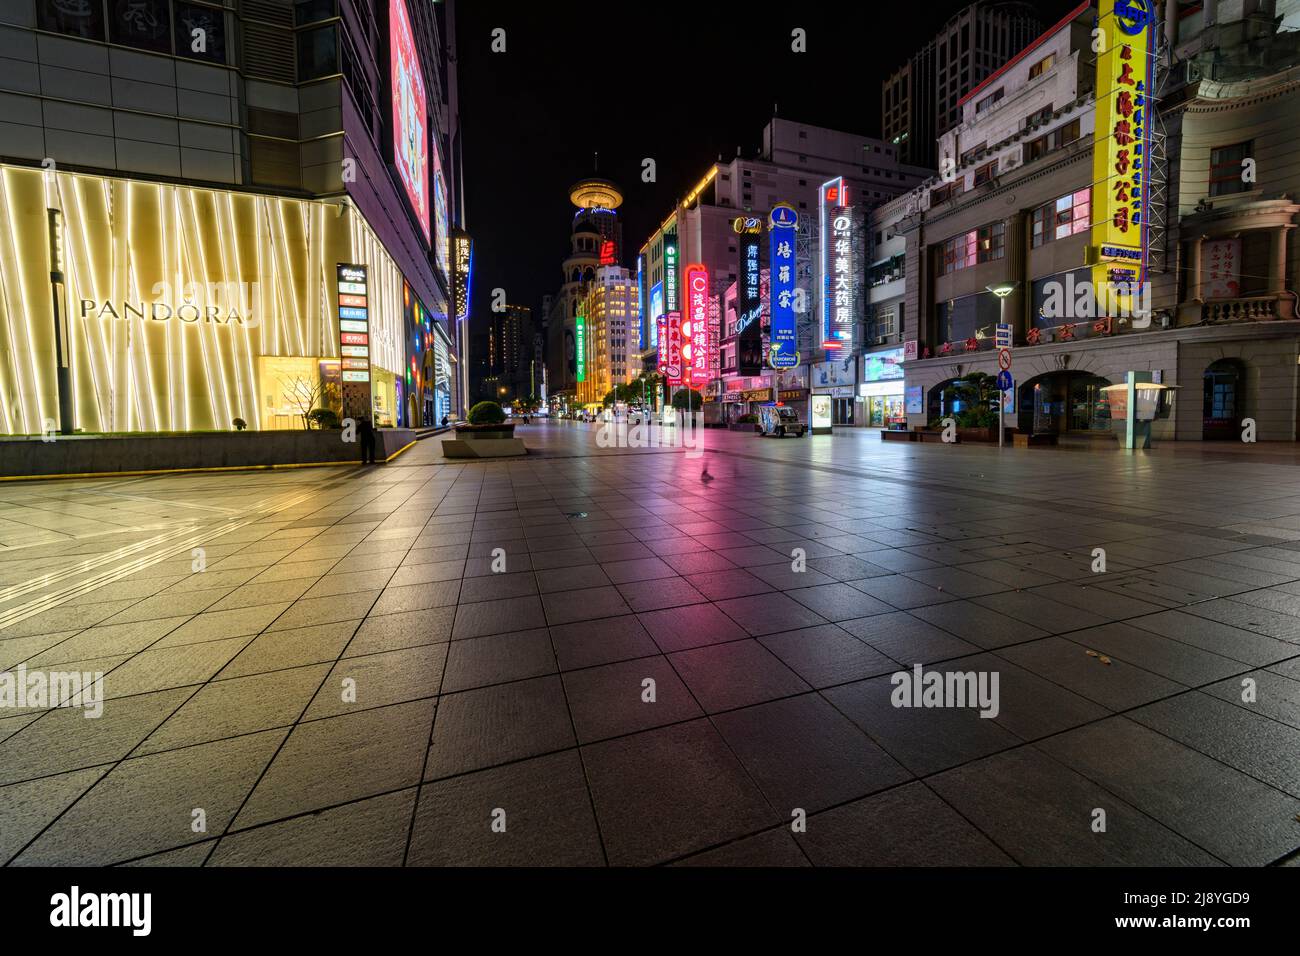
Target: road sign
{"points": [[1004, 380], [1004, 359], [1002, 336]]}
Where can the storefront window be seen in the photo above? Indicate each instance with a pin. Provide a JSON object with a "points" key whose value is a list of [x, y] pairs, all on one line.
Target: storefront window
{"points": [[971, 316]]}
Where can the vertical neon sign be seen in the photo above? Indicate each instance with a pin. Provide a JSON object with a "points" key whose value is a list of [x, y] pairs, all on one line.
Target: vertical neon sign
{"points": [[784, 337], [695, 327]]}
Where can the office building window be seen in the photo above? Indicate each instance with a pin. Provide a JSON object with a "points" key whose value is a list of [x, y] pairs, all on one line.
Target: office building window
{"points": [[73, 19], [1042, 66], [985, 244], [144, 24], [317, 53], [200, 32], [1063, 217], [1225, 169], [985, 173], [1061, 136]]}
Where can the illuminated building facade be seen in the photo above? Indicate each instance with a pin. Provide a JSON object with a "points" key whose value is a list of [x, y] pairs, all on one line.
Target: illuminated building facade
{"points": [[1125, 204], [203, 188], [612, 316]]}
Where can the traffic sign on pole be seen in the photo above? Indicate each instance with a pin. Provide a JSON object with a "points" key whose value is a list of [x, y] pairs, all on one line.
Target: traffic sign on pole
{"points": [[1004, 380], [1004, 359]]}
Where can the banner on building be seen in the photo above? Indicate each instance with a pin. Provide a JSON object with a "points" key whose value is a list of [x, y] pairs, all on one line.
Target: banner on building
{"points": [[784, 352]]}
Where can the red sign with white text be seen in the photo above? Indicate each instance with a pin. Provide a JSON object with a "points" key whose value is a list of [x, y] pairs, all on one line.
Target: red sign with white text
{"points": [[695, 327]]}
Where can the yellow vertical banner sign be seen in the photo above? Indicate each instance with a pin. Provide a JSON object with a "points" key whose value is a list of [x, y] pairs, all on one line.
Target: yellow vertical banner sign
{"points": [[1124, 44]]}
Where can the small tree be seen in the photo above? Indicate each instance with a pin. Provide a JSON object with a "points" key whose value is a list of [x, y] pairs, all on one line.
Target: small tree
{"points": [[688, 400], [303, 395]]}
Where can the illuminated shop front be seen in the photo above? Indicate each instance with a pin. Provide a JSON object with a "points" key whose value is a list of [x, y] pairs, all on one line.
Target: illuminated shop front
{"points": [[881, 389], [186, 308]]}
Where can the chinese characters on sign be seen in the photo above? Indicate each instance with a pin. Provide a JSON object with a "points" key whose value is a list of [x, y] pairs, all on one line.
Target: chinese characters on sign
{"points": [[1222, 268], [837, 266], [749, 300], [671, 344], [354, 339], [580, 349], [784, 347], [695, 328], [1121, 148], [670, 274]]}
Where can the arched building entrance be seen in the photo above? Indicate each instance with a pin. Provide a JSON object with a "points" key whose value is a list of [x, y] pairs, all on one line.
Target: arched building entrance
{"points": [[1066, 402]]}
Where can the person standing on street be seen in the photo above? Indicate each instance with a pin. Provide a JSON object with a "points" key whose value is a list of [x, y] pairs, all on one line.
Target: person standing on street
{"points": [[366, 434]]}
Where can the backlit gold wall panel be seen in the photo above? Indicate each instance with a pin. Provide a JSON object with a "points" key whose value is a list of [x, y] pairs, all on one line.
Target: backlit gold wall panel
{"points": [[172, 295]]}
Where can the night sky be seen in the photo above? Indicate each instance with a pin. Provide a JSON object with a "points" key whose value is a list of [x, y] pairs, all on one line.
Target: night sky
{"points": [[679, 82]]}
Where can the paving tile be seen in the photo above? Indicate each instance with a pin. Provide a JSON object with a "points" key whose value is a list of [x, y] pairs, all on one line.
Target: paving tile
{"points": [[908, 640], [901, 592], [977, 624], [240, 705], [326, 763], [1222, 639], [1118, 685], [660, 593], [603, 641], [839, 602], [166, 667], [493, 725], [867, 833], [692, 626], [547, 813], [28, 808], [922, 739], [770, 848], [769, 613], [567, 606], [328, 610], [498, 617], [1275, 696], [612, 699], [804, 754], [1252, 743], [735, 674], [827, 655], [498, 658], [277, 650], [151, 801], [1042, 813], [1238, 819], [668, 792], [377, 680], [735, 582], [572, 578], [370, 832]]}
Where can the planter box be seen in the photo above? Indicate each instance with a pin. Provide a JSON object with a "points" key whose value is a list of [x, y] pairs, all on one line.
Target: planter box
{"points": [[928, 435], [479, 447], [504, 430], [118, 454], [1025, 440], [977, 434], [887, 435]]}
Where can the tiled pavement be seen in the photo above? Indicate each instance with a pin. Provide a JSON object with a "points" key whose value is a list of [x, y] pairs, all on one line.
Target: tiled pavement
{"points": [[350, 681]]}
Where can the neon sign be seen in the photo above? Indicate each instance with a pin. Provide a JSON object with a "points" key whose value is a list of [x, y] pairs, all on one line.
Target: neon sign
{"points": [[580, 349], [784, 341], [410, 113], [695, 327]]}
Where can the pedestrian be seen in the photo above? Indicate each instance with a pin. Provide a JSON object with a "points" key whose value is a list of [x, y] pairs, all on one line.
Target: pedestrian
{"points": [[366, 434], [445, 419]]}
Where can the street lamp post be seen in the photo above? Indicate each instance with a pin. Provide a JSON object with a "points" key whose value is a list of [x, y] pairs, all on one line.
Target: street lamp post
{"points": [[1002, 290]]}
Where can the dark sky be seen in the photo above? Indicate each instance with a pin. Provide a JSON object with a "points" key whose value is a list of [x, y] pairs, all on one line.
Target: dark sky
{"points": [[678, 82]]}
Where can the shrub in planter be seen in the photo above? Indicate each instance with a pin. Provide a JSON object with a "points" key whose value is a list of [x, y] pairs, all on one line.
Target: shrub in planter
{"points": [[239, 424], [487, 413], [487, 420], [323, 418]]}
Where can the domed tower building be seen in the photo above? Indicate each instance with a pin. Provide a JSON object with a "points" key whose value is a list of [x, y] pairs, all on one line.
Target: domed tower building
{"points": [[596, 240]]}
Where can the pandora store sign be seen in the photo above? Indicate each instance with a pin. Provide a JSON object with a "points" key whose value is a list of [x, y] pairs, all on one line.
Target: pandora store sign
{"points": [[220, 303]]}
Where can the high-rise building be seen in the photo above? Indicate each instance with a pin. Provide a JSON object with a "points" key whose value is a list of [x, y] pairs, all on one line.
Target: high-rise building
{"points": [[209, 166], [611, 316], [920, 100], [595, 241]]}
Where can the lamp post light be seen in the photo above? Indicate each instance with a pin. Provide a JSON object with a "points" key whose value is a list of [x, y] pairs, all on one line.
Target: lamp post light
{"points": [[1002, 290]]}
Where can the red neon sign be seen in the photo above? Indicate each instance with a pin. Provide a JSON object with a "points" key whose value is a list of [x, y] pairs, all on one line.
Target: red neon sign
{"points": [[695, 327], [607, 253]]}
